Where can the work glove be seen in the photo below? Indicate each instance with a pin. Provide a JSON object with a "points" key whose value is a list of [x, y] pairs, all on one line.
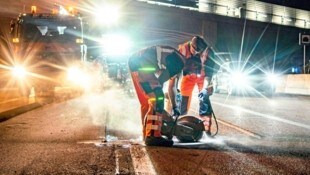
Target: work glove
{"points": [[205, 93], [210, 90], [176, 111], [202, 94]]}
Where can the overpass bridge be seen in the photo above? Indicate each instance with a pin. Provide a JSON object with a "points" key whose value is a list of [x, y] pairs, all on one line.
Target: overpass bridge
{"points": [[232, 37]]}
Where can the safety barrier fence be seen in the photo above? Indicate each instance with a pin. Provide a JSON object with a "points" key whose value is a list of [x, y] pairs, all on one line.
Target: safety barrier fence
{"points": [[294, 84]]}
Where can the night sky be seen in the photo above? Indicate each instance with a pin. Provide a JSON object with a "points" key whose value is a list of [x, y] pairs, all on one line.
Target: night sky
{"points": [[299, 4]]}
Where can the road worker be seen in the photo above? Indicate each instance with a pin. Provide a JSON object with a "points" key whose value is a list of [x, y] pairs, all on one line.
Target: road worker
{"points": [[198, 70], [150, 68]]}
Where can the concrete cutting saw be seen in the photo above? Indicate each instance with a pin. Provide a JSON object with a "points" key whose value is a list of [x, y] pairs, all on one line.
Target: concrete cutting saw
{"points": [[184, 128]]}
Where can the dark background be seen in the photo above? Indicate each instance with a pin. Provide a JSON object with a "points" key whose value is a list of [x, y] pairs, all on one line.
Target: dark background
{"points": [[299, 4]]}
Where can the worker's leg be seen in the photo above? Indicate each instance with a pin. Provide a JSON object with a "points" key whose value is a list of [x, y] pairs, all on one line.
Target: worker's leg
{"points": [[205, 110], [187, 86], [143, 99], [205, 113], [150, 94], [154, 120]]}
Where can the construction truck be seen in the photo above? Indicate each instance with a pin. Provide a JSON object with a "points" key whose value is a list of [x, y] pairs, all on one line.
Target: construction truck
{"points": [[48, 50]]}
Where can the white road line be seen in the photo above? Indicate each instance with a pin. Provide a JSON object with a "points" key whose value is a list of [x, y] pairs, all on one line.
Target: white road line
{"points": [[141, 161], [117, 161], [264, 115]]}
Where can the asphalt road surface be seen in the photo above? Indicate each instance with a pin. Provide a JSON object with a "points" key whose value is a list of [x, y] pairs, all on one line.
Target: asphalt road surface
{"points": [[101, 134]]}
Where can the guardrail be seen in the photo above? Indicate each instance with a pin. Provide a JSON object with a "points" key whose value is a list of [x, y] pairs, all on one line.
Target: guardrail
{"points": [[12, 104], [294, 84]]}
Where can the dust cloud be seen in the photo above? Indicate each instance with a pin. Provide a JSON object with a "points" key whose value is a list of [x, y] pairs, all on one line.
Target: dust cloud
{"points": [[116, 110]]}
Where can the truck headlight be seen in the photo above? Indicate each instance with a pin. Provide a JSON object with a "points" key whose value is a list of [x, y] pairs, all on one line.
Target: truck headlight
{"points": [[19, 72]]}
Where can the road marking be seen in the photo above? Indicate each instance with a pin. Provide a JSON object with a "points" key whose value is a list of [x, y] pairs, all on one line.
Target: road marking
{"points": [[264, 115], [141, 161], [250, 133], [245, 131], [117, 152]]}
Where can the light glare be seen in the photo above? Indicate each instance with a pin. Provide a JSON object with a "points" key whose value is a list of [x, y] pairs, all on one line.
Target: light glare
{"points": [[239, 78], [77, 76], [107, 15], [19, 72], [272, 78], [115, 44]]}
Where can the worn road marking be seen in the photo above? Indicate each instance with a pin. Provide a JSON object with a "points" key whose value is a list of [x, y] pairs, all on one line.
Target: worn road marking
{"points": [[264, 115], [141, 161], [123, 159], [117, 152]]}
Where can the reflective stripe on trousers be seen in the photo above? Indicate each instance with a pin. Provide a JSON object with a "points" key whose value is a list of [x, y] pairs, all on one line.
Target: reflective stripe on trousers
{"points": [[153, 121]]}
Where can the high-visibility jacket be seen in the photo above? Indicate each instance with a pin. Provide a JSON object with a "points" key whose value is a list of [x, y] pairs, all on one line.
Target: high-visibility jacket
{"points": [[149, 69]]}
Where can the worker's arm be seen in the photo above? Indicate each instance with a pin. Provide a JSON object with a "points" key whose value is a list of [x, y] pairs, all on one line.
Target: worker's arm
{"points": [[172, 92], [209, 67]]}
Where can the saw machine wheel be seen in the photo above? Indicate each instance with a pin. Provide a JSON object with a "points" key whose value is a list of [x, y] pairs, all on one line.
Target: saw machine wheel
{"points": [[194, 123]]}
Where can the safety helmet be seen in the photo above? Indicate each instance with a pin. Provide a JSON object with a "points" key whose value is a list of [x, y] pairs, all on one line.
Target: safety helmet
{"points": [[199, 44]]}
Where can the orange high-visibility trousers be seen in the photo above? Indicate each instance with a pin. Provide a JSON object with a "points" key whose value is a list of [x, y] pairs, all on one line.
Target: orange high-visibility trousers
{"points": [[151, 120], [188, 83]]}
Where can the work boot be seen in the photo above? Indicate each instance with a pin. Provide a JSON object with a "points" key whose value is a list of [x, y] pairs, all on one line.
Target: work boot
{"points": [[158, 141]]}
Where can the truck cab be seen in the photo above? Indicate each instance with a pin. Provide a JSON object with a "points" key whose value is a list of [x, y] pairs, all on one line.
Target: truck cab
{"points": [[46, 46]]}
